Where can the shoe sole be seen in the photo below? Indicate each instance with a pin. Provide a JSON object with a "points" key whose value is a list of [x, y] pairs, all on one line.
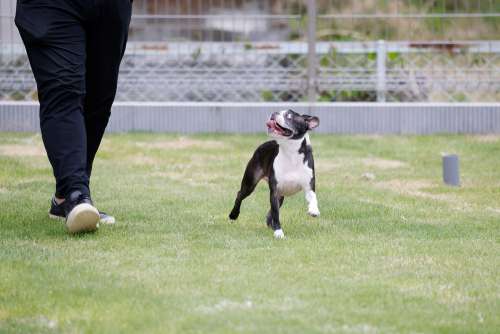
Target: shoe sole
{"points": [[51, 216], [83, 218], [105, 221]]}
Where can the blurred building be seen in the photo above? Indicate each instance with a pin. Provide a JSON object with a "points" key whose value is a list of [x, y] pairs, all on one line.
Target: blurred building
{"points": [[237, 20]]}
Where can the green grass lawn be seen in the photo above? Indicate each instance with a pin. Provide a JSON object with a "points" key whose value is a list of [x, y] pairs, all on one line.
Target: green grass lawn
{"points": [[401, 253]]}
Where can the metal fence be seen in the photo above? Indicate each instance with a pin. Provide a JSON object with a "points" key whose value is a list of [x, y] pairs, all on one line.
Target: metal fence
{"points": [[295, 50]]}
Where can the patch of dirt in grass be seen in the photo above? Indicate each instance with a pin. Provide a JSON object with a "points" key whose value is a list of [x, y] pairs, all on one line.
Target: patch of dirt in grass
{"points": [[372, 136], [485, 138], [193, 178], [193, 170], [143, 160], [354, 328], [449, 294], [494, 210], [383, 163], [195, 161], [183, 143], [412, 188], [18, 150], [446, 294], [328, 165], [3, 190], [30, 180], [286, 304], [202, 160], [39, 321], [178, 176], [397, 262], [226, 305]]}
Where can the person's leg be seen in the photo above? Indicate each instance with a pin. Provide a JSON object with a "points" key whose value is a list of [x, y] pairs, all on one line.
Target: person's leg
{"points": [[106, 41], [55, 42]]}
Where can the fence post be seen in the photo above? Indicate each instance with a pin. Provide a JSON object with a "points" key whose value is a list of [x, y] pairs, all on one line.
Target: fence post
{"points": [[381, 70], [311, 51]]}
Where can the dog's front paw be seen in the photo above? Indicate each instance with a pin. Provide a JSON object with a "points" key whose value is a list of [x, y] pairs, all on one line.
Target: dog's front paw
{"points": [[278, 234], [234, 215], [314, 212]]}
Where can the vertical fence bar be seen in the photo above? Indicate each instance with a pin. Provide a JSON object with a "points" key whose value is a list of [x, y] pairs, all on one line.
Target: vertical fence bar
{"points": [[381, 70], [311, 50]]}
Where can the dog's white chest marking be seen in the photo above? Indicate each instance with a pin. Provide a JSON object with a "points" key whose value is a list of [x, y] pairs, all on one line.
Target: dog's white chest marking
{"points": [[291, 171]]}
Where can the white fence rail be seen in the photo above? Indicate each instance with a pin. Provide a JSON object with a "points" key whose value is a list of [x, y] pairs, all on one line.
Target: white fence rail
{"points": [[343, 118]]}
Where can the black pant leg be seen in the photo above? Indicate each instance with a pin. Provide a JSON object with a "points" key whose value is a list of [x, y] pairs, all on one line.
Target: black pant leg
{"points": [[107, 38], [55, 42]]}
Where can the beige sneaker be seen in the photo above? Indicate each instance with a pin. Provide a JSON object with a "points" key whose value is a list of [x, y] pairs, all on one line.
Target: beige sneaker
{"points": [[81, 215]]}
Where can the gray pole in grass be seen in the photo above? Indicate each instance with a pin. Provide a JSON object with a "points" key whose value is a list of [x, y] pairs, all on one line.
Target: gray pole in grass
{"points": [[451, 170]]}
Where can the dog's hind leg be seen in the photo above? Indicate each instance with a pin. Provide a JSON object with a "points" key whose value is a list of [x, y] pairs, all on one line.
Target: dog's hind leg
{"points": [[269, 217], [250, 179], [275, 199]]}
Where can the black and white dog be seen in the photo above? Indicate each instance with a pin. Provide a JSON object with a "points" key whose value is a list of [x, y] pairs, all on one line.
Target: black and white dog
{"points": [[286, 163]]}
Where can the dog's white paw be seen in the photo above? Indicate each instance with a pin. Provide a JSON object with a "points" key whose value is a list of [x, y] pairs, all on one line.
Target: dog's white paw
{"points": [[278, 234], [313, 212]]}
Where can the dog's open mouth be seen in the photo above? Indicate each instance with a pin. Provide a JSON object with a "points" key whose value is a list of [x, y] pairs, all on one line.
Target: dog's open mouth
{"points": [[273, 126]]}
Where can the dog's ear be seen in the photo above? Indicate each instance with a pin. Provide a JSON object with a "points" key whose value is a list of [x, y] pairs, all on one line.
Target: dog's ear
{"points": [[312, 121]]}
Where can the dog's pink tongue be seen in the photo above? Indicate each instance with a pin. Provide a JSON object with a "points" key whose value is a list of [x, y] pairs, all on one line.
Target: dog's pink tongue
{"points": [[270, 124]]}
